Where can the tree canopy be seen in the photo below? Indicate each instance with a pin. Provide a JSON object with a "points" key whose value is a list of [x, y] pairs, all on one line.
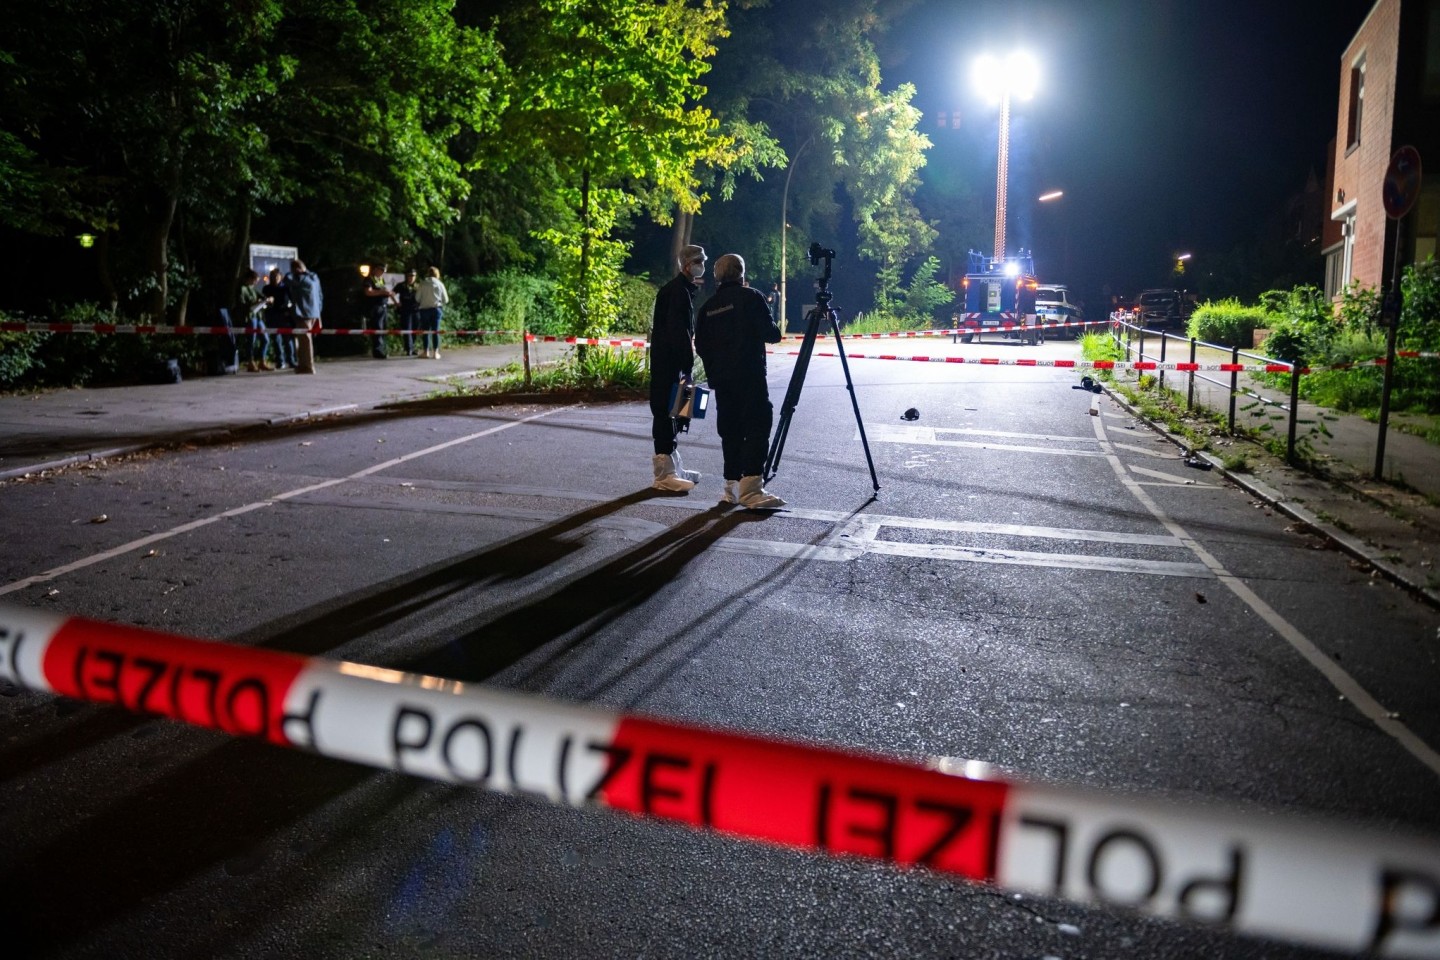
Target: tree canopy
{"points": [[490, 134]]}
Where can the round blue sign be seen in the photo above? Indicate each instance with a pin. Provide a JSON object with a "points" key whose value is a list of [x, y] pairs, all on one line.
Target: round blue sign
{"points": [[1402, 182]]}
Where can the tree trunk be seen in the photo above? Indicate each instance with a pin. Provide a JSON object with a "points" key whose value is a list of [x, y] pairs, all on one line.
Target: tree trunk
{"points": [[157, 258], [107, 281], [679, 237], [242, 252], [583, 294]]}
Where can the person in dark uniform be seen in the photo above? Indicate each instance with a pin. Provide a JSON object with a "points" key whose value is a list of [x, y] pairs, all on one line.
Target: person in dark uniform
{"points": [[375, 300], [731, 331], [672, 355]]}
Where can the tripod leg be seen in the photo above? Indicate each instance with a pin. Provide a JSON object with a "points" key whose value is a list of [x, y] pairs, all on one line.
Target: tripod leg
{"points": [[792, 396], [854, 401]]}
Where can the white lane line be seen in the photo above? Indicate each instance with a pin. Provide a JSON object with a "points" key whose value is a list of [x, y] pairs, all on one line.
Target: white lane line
{"points": [[145, 541], [1015, 436], [1174, 479], [1347, 685], [1026, 558], [851, 538], [1165, 453], [1026, 530], [926, 437]]}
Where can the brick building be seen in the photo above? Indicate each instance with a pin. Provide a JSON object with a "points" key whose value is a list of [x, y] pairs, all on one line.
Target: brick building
{"points": [[1389, 97]]}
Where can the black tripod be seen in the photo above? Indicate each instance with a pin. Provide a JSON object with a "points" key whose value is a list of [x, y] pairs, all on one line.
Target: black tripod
{"points": [[820, 313]]}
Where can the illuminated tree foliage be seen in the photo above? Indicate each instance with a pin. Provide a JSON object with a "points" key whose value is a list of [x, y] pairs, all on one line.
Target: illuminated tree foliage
{"points": [[809, 79], [607, 93]]}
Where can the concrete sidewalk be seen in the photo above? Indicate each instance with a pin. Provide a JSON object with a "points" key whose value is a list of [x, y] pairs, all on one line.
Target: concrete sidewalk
{"points": [[46, 431], [1393, 531]]}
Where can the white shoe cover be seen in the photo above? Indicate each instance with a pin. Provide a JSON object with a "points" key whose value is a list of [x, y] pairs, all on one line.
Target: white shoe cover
{"points": [[665, 477], [754, 496]]}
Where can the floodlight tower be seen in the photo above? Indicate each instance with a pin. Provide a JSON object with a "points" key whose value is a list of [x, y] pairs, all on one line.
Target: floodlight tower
{"points": [[999, 81]]}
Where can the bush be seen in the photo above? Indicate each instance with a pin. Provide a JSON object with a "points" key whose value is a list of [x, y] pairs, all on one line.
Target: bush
{"points": [[1228, 323], [1303, 322], [18, 356], [637, 306], [35, 360], [598, 368], [509, 300]]}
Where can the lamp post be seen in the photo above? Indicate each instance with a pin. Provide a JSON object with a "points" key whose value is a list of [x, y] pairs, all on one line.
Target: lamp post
{"points": [[785, 225], [999, 81]]}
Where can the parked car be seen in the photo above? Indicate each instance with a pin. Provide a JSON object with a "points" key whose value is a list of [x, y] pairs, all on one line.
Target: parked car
{"points": [[1165, 309]]}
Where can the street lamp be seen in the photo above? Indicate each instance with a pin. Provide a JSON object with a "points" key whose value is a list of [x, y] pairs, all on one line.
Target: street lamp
{"points": [[1050, 197], [1180, 259], [998, 81], [785, 225]]}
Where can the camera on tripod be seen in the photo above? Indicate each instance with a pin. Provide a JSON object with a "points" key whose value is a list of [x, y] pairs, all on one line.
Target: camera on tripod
{"points": [[818, 253]]}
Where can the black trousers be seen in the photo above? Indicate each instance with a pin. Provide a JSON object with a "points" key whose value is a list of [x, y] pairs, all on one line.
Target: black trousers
{"points": [[662, 427], [743, 417]]}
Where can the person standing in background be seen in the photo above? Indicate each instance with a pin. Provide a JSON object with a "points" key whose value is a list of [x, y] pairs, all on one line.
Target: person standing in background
{"points": [[249, 308], [306, 302], [278, 315], [431, 296], [375, 309], [409, 310]]}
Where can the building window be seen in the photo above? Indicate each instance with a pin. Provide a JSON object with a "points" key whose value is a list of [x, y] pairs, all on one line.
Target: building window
{"points": [[1357, 103], [1334, 262]]}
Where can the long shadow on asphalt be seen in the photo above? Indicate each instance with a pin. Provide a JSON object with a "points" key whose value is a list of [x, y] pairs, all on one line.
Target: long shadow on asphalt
{"points": [[187, 821]]}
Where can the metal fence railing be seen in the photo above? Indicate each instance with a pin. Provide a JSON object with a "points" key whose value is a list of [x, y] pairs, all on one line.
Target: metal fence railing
{"points": [[1134, 340]]}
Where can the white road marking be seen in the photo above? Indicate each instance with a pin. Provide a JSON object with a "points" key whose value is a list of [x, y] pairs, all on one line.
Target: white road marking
{"points": [[133, 545], [1167, 453], [1174, 479], [1347, 685], [929, 436], [851, 537]]}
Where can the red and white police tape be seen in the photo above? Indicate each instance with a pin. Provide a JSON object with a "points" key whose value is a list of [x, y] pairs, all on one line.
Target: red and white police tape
{"points": [[590, 341], [1326, 883], [188, 330], [1006, 326], [1062, 364]]}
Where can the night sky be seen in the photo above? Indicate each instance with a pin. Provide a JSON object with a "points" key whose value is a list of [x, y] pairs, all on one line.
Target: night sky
{"points": [[1171, 126]]}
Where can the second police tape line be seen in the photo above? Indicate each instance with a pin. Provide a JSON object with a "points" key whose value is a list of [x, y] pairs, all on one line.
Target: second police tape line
{"points": [[191, 330], [1326, 883], [641, 343]]}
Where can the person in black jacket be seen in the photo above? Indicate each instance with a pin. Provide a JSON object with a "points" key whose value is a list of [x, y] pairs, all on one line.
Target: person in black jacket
{"points": [[730, 334], [672, 356]]}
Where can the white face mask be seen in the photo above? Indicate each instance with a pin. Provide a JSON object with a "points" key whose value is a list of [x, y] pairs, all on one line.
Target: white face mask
{"points": [[697, 269]]}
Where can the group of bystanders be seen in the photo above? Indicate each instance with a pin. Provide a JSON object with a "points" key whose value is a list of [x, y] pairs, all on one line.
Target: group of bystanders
{"points": [[291, 305]]}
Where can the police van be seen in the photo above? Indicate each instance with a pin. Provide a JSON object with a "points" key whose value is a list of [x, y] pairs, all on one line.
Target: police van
{"points": [[1053, 305]]}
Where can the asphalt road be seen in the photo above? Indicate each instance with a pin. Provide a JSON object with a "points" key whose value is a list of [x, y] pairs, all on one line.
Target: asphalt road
{"points": [[1050, 591]]}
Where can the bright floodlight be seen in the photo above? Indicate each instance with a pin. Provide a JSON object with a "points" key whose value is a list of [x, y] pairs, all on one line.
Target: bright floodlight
{"points": [[1012, 268], [1015, 76], [1052, 195]]}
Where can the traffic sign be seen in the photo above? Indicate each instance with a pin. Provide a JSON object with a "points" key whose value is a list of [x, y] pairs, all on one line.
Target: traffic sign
{"points": [[1402, 182]]}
